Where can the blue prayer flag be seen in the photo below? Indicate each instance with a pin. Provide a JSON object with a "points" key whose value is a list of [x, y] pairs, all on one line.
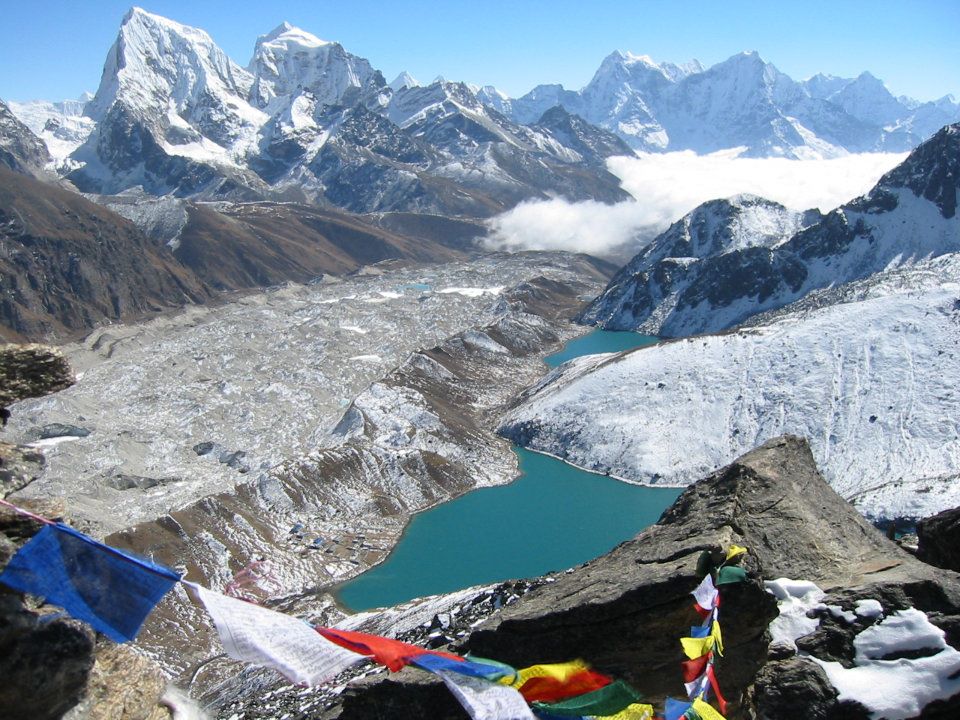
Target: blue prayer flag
{"points": [[674, 709], [102, 586], [433, 663], [700, 631]]}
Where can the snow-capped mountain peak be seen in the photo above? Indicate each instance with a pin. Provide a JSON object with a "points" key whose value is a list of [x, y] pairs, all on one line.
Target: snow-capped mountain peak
{"points": [[167, 91], [290, 61], [156, 62], [404, 79]]}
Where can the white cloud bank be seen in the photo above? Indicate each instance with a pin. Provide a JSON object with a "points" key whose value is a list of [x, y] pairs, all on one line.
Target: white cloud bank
{"points": [[667, 186]]}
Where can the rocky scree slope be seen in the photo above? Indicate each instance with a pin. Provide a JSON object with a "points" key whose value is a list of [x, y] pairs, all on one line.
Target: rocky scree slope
{"points": [[680, 286], [624, 612], [67, 264]]}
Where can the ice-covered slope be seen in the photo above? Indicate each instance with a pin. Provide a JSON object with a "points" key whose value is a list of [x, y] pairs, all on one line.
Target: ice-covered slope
{"points": [[289, 63], [909, 215], [20, 149], [871, 383]]}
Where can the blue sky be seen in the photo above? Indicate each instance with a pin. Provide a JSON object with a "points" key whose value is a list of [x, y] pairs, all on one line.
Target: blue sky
{"points": [[53, 49]]}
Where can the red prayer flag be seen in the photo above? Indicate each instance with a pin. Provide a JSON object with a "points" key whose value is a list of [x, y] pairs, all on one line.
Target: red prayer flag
{"points": [[392, 653], [716, 690], [692, 669], [551, 689], [701, 611]]}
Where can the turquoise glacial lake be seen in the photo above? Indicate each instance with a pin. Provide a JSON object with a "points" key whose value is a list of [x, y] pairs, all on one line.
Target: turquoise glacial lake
{"points": [[554, 516]]}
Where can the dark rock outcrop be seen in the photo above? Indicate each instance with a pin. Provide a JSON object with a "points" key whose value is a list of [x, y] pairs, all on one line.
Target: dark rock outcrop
{"points": [[939, 539], [594, 144], [28, 371], [784, 686]]}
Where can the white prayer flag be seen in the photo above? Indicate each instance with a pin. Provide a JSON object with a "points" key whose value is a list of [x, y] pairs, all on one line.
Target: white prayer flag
{"points": [[260, 636], [706, 594], [486, 700], [697, 687]]}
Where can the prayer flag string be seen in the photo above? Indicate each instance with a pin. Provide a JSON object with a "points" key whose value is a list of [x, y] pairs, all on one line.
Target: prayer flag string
{"points": [[115, 591], [705, 642]]}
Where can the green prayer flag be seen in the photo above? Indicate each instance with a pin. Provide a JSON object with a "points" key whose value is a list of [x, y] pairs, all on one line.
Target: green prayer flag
{"points": [[729, 574], [691, 714], [607, 700]]}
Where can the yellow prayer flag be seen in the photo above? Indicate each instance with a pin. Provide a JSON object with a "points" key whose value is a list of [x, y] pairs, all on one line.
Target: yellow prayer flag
{"points": [[735, 550], [697, 647], [635, 711], [558, 671], [718, 638], [706, 711]]}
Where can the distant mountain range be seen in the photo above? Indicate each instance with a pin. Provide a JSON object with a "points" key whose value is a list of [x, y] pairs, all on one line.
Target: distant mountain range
{"points": [[740, 102], [308, 121], [307, 131]]}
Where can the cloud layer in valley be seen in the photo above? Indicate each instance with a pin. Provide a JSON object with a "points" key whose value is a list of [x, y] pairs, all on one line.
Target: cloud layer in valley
{"points": [[667, 186]]}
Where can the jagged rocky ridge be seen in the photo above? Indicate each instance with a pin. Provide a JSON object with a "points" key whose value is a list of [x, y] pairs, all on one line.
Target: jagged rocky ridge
{"points": [[20, 149], [729, 260], [625, 611]]}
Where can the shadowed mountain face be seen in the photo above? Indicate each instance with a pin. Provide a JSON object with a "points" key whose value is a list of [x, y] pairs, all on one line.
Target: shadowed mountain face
{"points": [[248, 246], [68, 264]]}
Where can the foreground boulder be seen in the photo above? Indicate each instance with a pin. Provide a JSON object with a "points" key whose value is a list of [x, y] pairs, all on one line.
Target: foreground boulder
{"points": [[625, 612]]}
